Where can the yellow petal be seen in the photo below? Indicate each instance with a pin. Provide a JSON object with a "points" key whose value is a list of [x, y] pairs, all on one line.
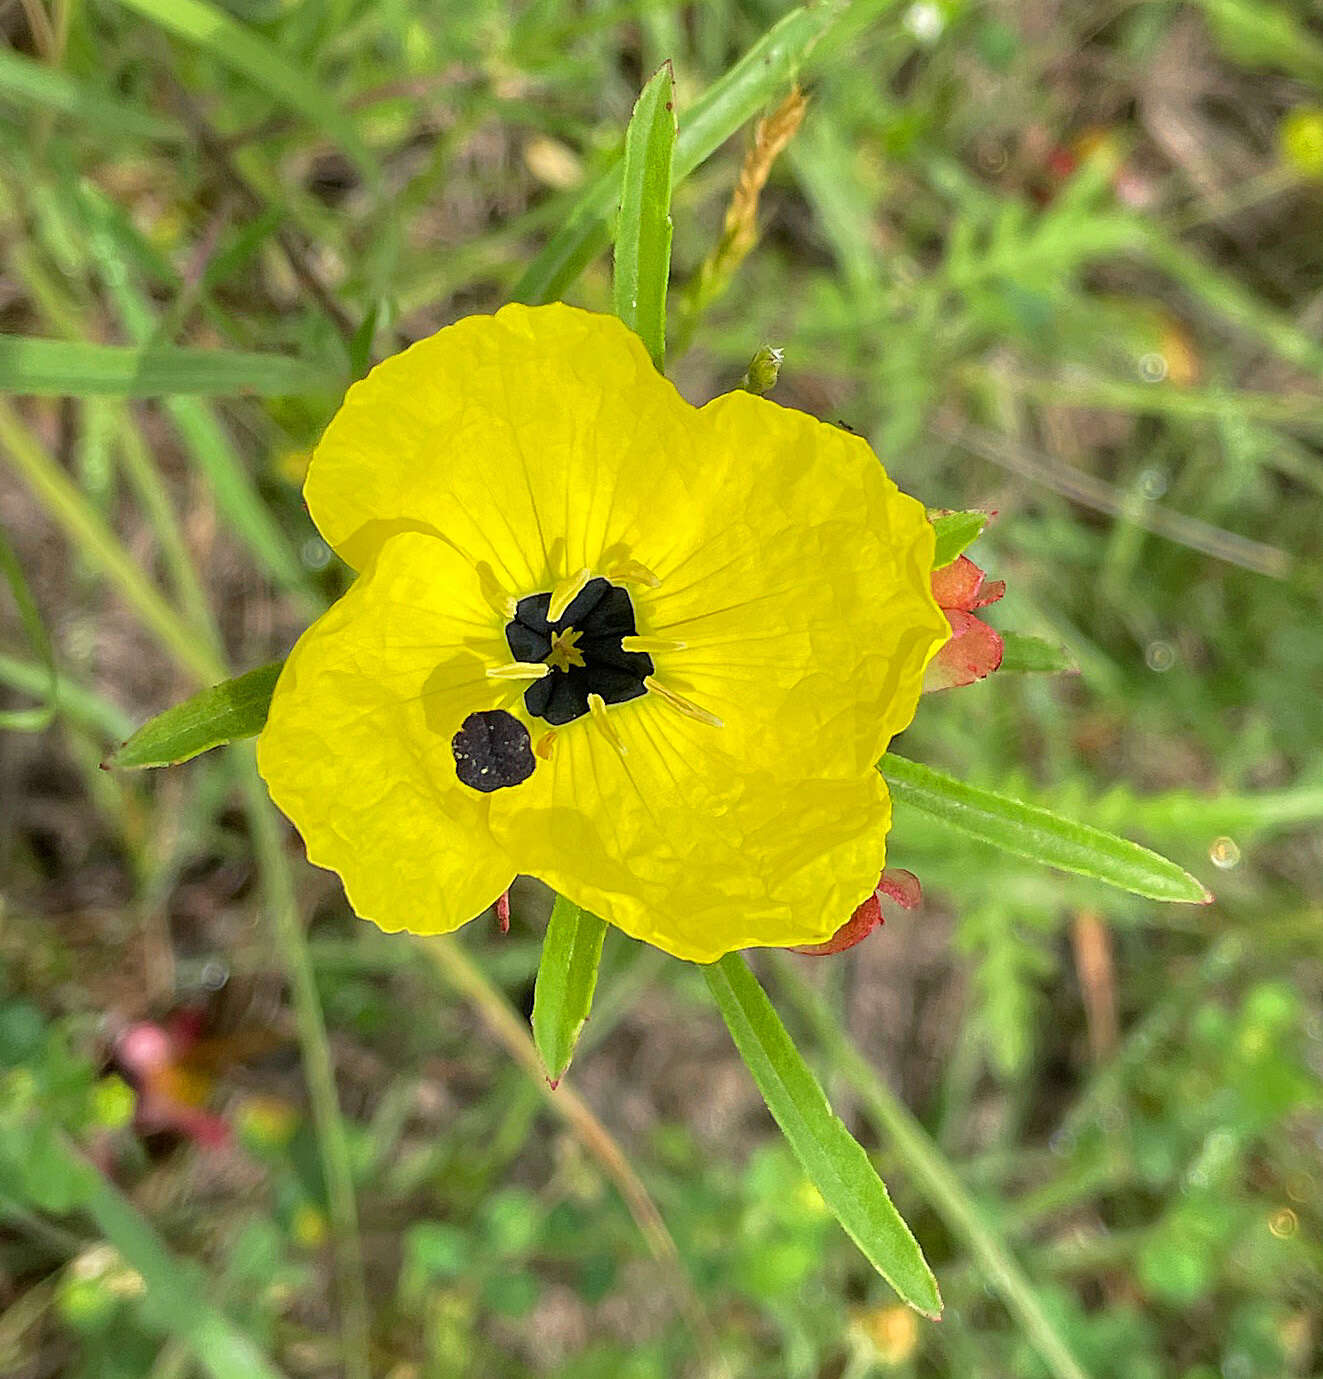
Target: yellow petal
{"points": [[356, 750], [682, 846], [803, 597], [536, 439]]}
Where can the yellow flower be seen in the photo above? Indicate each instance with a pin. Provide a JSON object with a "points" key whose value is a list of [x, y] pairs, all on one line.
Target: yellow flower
{"points": [[644, 651]]}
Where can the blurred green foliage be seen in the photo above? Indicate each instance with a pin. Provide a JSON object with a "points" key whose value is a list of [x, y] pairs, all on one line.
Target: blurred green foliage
{"points": [[1061, 261]]}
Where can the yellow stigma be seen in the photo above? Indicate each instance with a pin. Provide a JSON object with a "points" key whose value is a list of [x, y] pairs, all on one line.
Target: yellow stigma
{"points": [[650, 644], [565, 593], [681, 704], [564, 651], [597, 707]]}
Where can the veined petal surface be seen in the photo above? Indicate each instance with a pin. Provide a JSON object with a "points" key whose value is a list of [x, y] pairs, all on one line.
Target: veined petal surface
{"points": [[778, 580], [356, 750]]}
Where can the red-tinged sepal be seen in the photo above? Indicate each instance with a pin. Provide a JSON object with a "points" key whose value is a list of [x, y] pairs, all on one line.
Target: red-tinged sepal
{"points": [[503, 910], [901, 886], [896, 884], [963, 586], [974, 652]]}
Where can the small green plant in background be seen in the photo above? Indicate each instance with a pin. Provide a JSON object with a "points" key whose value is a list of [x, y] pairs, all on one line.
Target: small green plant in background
{"points": [[1174, 1181]]}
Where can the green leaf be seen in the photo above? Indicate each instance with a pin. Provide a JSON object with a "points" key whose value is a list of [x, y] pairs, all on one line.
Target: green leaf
{"points": [[224, 713], [835, 1163], [643, 232], [35, 84], [1032, 655], [955, 531], [237, 47], [66, 368], [566, 980], [1027, 831], [764, 71]]}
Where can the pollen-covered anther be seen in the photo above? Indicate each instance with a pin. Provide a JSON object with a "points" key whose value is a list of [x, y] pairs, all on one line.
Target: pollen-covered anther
{"points": [[566, 592], [544, 746], [519, 670], [650, 645], [601, 721], [681, 704], [633, 572]]}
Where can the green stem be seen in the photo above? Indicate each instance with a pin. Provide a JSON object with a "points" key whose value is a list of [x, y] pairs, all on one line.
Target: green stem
{"points": [[933, 1174], [282, 907]]}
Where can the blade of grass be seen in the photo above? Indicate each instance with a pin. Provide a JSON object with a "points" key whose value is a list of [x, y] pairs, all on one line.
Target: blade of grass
{"points": [[281, 907], [833, 1160], [63, 500], [764, 71], [32, 720], [643, 231], [111, 236], [1038, 835], [31, 83], [235, 46], [81, 705], [66, 368], [933, 1174], [224, 713], [566, 980], [176, 1290]]}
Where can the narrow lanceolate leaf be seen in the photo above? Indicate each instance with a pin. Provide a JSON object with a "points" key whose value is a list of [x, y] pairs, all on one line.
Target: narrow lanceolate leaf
{"points": [[835, 1163], [224, 713], [1030, 655], [643, 231], [68, 368], [955, 531], [242, 50], [566, 979], [1027, 831], [761, 75]]}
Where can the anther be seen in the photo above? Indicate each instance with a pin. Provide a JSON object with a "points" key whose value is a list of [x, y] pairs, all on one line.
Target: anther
{"points": [[651, 644], [681, 704], [597, 707], [501, 601], [566, 592], [519, 670], [633, 572], [542, 748]]}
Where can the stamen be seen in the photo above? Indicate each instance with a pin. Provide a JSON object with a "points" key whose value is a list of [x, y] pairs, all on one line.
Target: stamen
{"points": [[633, 572], [566, 592], [519, 670], [597, 707], [542, 747], [651, 644], [494, 592], [681, 704]]}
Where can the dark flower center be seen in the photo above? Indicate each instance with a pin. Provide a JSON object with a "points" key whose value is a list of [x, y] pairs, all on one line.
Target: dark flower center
{"points": [[583, 648]]}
